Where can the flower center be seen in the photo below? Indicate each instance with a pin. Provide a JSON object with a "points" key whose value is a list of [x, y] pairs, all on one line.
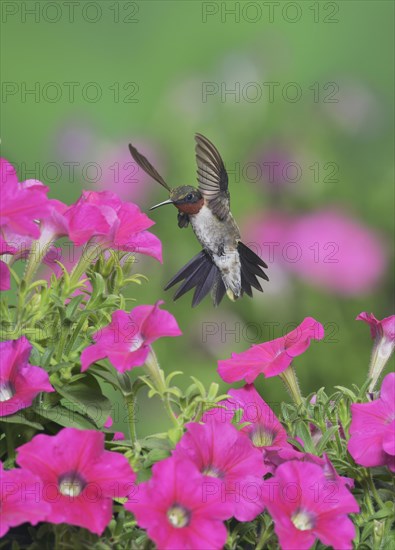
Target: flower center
{"points": [[71, 484], [137, 342], [212, 471], [262, 437], [7, 391], [178, 516], [303, 520]]}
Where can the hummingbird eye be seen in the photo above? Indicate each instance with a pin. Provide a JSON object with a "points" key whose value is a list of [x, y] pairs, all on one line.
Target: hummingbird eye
{"points": [[189, 197]]}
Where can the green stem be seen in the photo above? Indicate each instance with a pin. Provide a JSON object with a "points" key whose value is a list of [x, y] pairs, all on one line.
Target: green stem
{"points": [[291, 383], [265, 535], [62, 341], [83, 263], [131, 401], [75, 334], [373, 489], [157, 377], [10, 442], [38, 250], [368, 500], [155, 372]]}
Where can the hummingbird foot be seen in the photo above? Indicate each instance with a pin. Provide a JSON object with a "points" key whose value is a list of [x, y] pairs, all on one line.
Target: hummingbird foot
{"points": [[231, 295]]}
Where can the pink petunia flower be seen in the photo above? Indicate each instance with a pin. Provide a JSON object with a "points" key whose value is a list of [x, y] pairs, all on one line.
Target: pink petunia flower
{"points": [[305, 506], [179, 508], [126, 340], [5, 248], [20, 382], [263, 429], [273, 357], [80, 478], [383, 335], [20, 499], [105, 220], [227, 457], [372, 430], [287, 453], [21, 203]]}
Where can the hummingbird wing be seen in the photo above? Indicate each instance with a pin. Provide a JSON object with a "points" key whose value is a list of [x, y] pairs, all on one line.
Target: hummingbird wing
{"points": [[145, 164], [212, 177]]}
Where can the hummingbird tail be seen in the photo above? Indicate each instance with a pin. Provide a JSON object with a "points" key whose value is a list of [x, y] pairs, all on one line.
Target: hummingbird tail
{"points": [[202, 274], [251, 268]]}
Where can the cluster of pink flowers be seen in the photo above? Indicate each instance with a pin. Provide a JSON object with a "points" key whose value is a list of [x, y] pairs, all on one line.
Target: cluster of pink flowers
{"points": [[66, 478], [216, 472], [99, 219]]}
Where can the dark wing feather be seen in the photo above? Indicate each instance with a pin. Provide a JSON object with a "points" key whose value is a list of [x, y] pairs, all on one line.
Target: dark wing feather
{"points": [[219, 290], [145, 164], [205, 285], [187, 269], [250, 269], [249, 255], [212, 176], [245, 285], [202, 273]]}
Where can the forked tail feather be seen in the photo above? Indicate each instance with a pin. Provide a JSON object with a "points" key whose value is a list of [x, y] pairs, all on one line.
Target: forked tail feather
{"points": [[202, 274]]}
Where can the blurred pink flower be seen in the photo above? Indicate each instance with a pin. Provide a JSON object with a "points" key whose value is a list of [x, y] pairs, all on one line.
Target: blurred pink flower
{"points": [[372, 430], [274, 164], [227, 457], [299, 499], [79, 476], [179, 508], [120, 174], [383, 335], [21, 202], [326, 248], [113, 224], [20, 499], [20, 382], [126, 340], [273, 357], [347, 257]]}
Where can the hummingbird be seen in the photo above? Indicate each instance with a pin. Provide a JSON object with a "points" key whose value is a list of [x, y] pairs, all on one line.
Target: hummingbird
{"points": [[225, 265]]}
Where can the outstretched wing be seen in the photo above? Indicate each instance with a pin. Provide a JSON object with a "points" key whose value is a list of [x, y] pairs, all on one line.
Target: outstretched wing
{"points": [[145, 164], [212, 176]]}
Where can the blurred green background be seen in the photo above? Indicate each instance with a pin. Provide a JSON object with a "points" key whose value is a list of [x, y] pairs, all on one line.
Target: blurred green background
{"points": [[155, 72]]}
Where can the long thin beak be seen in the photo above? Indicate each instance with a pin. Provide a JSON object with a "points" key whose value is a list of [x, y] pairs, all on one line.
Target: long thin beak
{"points": [[169, 201]]}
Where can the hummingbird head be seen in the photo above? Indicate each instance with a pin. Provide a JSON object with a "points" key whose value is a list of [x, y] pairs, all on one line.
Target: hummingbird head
{"points": [[186, 198]]}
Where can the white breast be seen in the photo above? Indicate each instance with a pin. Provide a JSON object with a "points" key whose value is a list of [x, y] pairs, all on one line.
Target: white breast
{"points": [[220, 238]]}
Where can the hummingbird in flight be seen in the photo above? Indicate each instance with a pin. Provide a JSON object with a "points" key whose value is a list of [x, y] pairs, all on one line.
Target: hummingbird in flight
{"points": [[225, 265]]}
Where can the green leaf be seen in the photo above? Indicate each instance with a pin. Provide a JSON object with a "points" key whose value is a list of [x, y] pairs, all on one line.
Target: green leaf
{"points": [[155, 456], [327, 435], [73, 305], [105, 374], [87, 396], [20, 418], [199, 385], [155, 442], [170, 377], [347, 392], [65, 417]]}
